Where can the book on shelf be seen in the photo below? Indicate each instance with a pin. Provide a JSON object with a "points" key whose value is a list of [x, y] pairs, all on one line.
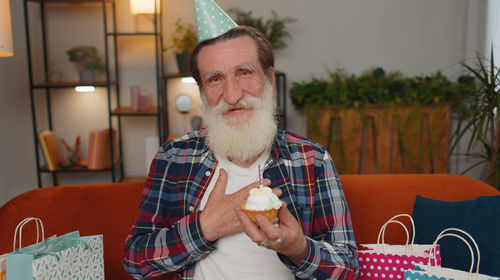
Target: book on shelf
{"points": [[50, 149], [99, 152]]}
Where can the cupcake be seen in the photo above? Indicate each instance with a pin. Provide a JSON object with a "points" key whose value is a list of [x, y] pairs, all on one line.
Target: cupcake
{"points": [[262, 201]]}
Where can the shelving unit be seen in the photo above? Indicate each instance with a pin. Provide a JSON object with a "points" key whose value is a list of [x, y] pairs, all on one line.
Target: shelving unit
{"points": [[119, 111], [40, 84], [280, 95]]}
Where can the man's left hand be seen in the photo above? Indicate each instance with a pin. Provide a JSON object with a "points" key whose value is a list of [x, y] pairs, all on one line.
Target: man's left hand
{"points": [[286, 237]]}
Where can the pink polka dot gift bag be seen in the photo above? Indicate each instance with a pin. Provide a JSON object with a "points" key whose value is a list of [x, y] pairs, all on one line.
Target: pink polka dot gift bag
{"points": [[389, 262], [427, 272]]}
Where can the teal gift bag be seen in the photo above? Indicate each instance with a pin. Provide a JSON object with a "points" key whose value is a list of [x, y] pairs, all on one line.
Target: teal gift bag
{"points": [[65, 257], [426, 272]]}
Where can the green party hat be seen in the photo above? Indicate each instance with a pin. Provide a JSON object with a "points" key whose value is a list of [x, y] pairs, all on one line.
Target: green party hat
{"points": [[211, 20]]}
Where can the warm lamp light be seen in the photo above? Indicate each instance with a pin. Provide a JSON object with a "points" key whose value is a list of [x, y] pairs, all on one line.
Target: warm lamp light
{"points": [[142, 6], [6, 46], [188, 80], [84, 89]]}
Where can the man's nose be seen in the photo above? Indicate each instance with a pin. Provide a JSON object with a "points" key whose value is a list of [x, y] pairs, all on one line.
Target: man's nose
{"points": [[232, 91]]}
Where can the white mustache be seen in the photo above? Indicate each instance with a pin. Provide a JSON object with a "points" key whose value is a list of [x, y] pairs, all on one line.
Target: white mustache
{"points": [[247, 102]]}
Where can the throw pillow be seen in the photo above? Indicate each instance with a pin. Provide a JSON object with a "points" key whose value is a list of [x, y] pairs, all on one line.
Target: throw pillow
{"points": [[479, 217]]}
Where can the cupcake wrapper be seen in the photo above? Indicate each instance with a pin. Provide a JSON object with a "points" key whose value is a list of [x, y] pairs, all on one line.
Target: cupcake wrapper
{"points": [[269, 214]]}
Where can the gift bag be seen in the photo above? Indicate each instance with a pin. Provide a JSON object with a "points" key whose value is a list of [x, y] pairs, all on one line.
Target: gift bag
{"points": [[3, 267], [384, 261], [19, 229], [65, 257], [426, 272]]}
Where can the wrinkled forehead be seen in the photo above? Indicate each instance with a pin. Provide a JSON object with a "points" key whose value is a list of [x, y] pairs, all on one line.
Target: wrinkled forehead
{"points": [[228, 54]]}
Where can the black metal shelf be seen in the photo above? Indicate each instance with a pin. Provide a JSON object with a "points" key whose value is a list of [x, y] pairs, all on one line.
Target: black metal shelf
{"points": [[110, 82], [71, 84], [75, 169], [131, 34], [69, 1], [129, 112]]}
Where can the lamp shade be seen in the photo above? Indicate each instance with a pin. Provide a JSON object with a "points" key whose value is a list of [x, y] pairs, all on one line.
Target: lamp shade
{"points": [[142, 6], [6, 46]]}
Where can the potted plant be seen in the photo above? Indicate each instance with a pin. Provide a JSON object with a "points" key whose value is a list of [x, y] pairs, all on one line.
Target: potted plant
{"points": [[88, 60], [184, 40], [478, 115], [380, 122], [274, 29]]}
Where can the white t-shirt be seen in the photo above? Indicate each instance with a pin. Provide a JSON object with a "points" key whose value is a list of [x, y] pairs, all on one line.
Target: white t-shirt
{"points": [[236, 256]]}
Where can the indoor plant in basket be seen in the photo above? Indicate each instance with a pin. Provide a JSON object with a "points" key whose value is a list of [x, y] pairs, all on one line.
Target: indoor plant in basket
{"points": [[88, 60], [274, 28], [183, 39], [380, 122]]}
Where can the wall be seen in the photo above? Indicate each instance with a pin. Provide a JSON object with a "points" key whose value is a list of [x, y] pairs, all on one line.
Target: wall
{"points": [[415, 37], [17, 159]]}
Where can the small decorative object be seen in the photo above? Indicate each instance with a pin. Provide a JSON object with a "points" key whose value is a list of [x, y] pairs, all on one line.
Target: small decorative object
{"points": [[139, 99], [274, 29], [73, 153], [196, 122], [184, 103], [88, 60], [183, 39], [144, 101], [135, 93]]}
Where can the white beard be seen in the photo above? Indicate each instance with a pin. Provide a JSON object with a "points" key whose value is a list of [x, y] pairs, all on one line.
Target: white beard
{"points": [[242, 138]]}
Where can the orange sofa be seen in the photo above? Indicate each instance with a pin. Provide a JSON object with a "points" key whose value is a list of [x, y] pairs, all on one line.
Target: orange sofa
{"points": [[110, 209]]}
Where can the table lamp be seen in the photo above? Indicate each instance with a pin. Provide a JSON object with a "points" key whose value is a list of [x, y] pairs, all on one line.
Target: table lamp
{"points": [[6, 46], [142, 6]]}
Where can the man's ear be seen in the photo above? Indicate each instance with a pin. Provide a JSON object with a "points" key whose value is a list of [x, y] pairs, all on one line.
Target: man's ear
{"points": [[272, 77]]}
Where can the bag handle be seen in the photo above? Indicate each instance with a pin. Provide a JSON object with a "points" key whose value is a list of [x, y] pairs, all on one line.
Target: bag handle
{"points": [[19, 229], [445, 233], [383, 232], [392, 220]]}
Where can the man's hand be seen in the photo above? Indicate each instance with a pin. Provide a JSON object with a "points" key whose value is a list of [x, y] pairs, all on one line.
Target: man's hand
{"points": [[218, 218], [287, 238]]}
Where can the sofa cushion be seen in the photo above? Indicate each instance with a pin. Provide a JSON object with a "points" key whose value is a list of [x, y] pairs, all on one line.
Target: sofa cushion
{"points": [[479, 217]]}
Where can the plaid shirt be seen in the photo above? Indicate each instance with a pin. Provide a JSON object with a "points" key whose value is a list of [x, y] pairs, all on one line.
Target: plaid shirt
{"points": [[166, 236]]}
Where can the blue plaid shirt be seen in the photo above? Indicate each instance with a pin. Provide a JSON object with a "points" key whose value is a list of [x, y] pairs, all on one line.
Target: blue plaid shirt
{"points": [[166, 236]]}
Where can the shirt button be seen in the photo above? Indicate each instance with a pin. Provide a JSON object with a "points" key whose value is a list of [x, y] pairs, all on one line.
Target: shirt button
{"points": [[207, 173], [191, 208]]}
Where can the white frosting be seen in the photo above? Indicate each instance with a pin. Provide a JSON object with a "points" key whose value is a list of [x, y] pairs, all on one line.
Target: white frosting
{"points": [[262, 198]]}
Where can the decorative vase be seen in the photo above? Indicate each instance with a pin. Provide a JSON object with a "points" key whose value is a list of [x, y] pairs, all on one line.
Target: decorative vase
{"points": [[183, 62], [87, 76]]}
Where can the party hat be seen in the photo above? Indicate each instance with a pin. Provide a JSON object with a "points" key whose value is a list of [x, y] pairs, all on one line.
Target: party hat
{"points": [[211, 20]]}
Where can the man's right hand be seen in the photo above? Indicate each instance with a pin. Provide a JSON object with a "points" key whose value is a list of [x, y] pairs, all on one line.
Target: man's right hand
{"points": [[218, 218]]}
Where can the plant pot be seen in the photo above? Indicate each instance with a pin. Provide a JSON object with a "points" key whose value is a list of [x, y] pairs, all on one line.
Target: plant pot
{"points": [[87, 76], [183, 62]]}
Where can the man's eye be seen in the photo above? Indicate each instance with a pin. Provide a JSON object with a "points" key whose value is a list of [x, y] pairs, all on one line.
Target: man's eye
{"points": [[213, 79], [245, 72]]}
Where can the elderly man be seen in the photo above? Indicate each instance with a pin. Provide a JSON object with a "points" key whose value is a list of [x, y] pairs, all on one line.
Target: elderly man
{"points": [[190, 221]]}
